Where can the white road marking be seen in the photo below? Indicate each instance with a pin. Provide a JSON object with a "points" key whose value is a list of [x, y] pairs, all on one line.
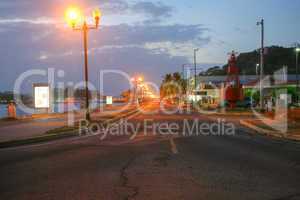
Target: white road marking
{"points": [[173, 146]]}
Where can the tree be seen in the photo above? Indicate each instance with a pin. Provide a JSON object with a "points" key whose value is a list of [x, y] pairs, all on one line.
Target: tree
{"points": [[126, 95], [173, 86]]}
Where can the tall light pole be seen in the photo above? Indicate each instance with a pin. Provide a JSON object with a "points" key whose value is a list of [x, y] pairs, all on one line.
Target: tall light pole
{"points": [[195, 68], [73, 17], [297, 49], [262, 24]]}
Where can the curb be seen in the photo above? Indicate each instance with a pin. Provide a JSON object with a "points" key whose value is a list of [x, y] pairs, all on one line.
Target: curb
{"points": [[37, 139], [266, 132], [120, 117], [55, 136], [232, 114]]}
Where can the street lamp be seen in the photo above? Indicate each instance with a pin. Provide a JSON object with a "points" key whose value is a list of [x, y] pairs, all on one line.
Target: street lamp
{"points": [[74, 18], [297, 50], [195, 65]]}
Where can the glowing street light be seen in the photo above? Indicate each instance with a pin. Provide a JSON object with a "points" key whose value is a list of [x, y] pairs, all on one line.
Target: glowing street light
{"points": [[74, 18], [140, 79], [97, 15]]}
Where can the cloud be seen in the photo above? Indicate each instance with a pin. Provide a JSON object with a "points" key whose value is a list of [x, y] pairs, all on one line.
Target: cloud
{"points": [[140, 34], [36, 21], [35, 39], [175, 40], [115, 7], [132, 48], [12, 9], [154, 10]]}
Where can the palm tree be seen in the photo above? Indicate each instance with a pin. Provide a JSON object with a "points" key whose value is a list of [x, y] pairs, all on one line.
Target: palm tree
{"points": [[168, 78], [176, 77], [173, 86]]}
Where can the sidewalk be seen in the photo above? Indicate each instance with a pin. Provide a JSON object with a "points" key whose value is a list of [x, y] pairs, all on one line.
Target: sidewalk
{"points": [[293, 132], [38, 125]]}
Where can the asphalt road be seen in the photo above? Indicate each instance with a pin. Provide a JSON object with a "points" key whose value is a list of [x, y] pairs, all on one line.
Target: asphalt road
{"points": [[154, 166]]}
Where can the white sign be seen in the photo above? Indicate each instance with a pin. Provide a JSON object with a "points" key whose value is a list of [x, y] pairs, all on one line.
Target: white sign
{"points": [[286, 97], [109, 100], [41, 97]]}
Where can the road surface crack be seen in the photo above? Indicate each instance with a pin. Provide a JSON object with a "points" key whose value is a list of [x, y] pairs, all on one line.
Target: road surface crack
{"points": [[133, 190]]}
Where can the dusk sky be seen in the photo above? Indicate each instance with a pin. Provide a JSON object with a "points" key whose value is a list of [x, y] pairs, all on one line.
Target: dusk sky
{"points": [[138, 37]]}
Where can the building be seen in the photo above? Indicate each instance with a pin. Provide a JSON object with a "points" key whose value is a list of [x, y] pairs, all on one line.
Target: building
{"points": [[210, 88]]}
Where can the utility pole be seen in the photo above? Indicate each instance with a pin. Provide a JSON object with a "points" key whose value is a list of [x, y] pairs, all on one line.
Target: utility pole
{"points": [[297, 49], [262, 24], [257, 67]]}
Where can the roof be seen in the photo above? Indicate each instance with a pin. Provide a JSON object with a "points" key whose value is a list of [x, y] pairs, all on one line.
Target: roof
{"points": [[249, 80]]}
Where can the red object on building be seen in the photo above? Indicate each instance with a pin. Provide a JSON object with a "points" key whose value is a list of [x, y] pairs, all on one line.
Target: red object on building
{"points": [[233, 87]]}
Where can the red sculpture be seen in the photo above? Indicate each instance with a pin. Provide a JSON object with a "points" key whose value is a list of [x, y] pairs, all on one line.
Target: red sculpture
{"points": [[233, 87]]}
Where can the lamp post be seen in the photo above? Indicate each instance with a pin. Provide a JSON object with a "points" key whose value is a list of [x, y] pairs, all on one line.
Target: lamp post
{"points": [[262, 24], [297, 72], [195, 68], [73, 17]]}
